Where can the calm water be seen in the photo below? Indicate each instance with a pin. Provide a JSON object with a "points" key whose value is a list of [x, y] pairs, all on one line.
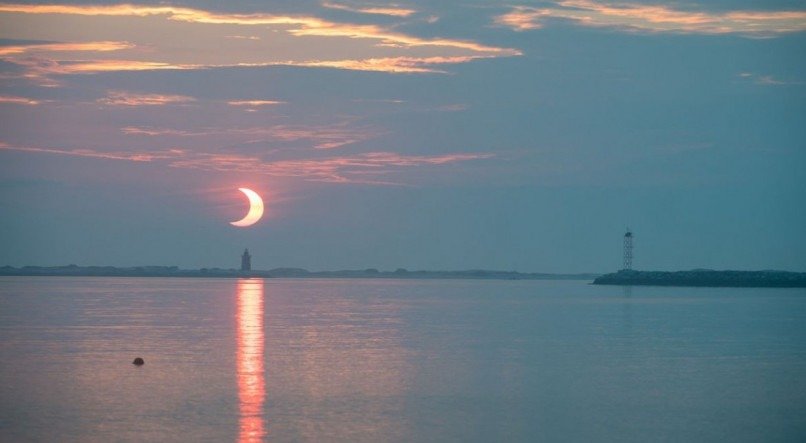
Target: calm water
{"points": [[386, 360]]}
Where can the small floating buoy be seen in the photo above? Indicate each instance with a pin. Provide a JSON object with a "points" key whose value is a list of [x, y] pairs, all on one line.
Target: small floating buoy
{"points": [[138, 361]]}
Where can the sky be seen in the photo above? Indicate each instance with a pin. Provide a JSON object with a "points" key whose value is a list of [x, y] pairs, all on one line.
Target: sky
{"points": [[505, 135]]}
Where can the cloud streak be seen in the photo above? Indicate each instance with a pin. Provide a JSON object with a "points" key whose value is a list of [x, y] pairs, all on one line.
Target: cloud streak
{"points": [[397, 65], [320, 137], [655, 19], [253, 103], [133, 156], [64, 47], [391, 10], [125, 98], [18, 100], [338, 169], [767, 80]]}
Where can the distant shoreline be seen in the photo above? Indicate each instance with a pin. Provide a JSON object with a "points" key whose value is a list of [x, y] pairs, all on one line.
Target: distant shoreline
{"points": [[173, 271], [706, 278]]}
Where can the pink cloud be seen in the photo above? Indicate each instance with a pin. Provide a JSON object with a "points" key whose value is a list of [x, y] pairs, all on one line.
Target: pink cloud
{"points": [[255, 102]]}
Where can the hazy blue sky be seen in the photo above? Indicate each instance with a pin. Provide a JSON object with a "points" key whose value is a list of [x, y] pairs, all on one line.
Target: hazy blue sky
{"points": [[426, 135]]}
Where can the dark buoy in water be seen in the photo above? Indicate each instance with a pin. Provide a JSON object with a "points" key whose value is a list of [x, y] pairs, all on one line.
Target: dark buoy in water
{"points": [[139, 361]]}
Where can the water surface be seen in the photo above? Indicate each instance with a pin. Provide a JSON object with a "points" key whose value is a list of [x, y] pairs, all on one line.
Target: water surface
{"points": [[397, 360]]}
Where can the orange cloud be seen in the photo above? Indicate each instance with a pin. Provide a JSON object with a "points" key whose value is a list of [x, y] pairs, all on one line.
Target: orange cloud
{"points": [[93, 39], [303, 25], [18, 100], [656, 18], [40, 69], [124, 98], [392, 64], [522, 18], [96, 66], [65, 47], [392, 10]]}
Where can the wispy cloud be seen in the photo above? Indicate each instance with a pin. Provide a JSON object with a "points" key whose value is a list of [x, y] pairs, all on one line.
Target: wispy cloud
{"points": [[379, 100], [135, 156], [339, 169], [344, 169], [243, 37], [87, 43], [125, 98], [252, 103], [40, 59], [319, 136], [394, 64], [135, 130], [522, 18], [767, 80], [41, 70], [391, 10], [18, 100], [770, 80], [655, 18], [104, 46], [454, 107]]}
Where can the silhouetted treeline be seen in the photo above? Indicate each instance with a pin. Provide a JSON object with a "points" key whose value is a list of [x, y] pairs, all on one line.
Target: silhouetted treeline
{"points": [[173, 271]]}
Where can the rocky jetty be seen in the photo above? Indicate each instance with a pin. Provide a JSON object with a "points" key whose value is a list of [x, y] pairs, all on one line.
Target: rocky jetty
{"points": [[706, 277]]}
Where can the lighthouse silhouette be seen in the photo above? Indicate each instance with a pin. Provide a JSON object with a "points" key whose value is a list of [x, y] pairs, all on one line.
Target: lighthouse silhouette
{"points": [[246, 261], [628, 249]]}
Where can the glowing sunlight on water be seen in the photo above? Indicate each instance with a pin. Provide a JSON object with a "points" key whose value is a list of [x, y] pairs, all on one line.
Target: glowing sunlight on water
{"points": [[251, 382]]}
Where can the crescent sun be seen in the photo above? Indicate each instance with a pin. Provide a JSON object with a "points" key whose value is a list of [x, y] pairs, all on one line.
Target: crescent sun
{"points": [[255, 209]]}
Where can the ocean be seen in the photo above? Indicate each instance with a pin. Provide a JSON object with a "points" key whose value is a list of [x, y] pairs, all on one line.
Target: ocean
{"points": [[345, 360]]}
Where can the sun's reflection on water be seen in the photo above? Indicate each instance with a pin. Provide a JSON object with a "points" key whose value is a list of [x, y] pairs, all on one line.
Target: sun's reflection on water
{"points": [[251, 381]]}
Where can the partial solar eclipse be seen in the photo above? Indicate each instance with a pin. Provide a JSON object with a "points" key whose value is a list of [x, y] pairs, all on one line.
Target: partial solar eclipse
{"points": [[255, 209]]}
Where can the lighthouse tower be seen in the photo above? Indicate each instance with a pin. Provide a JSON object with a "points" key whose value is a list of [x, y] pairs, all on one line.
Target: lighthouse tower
{"points": [[628, 250], [246, 261]]}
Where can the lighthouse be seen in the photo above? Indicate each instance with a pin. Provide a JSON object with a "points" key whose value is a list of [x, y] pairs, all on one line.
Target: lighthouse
{"points": [[628, 249], [246, 261]]}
